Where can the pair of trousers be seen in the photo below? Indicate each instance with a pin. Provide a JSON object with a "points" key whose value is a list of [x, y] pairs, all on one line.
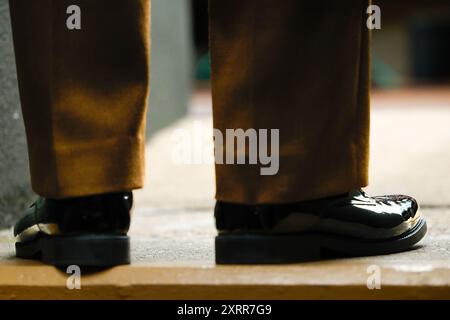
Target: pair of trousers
{"points": [[300, 66]]}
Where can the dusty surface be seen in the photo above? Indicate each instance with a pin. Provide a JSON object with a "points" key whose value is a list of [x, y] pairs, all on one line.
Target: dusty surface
{"points": [[176, 260]]}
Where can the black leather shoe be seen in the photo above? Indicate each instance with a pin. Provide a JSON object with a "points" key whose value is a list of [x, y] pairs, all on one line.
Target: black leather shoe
{"points": [[85, 231], [347, 225]]}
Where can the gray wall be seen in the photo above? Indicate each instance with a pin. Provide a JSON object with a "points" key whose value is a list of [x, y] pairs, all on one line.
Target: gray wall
{"points": [[171, 62], [14, 180], [170, 89]]}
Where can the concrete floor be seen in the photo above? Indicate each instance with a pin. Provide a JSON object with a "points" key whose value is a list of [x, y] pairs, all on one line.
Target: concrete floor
{"points": [[173, 227], [173, 257]]}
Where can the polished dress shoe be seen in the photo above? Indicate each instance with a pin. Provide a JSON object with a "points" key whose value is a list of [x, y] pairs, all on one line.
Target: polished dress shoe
{"points": [[351, 224], [85, 231]]}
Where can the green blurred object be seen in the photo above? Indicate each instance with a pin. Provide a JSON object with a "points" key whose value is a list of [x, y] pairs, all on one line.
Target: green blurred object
{"points": [[203, 71], [383, 75]]}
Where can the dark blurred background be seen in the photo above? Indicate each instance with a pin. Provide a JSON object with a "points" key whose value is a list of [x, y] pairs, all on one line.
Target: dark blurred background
{"points": [[413, 46]]}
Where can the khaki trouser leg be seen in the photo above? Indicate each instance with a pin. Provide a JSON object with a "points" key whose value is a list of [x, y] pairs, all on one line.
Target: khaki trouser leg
{"points": [[298, 66], [301, 67], [83, 93]]}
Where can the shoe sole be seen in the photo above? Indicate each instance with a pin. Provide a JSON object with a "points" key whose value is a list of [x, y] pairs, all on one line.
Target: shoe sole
{"points": [[85, 250], [292, 248]]}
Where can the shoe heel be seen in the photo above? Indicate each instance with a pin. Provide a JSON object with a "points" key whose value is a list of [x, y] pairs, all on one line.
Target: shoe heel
{"points": [[266, 249], [87, 250]]}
